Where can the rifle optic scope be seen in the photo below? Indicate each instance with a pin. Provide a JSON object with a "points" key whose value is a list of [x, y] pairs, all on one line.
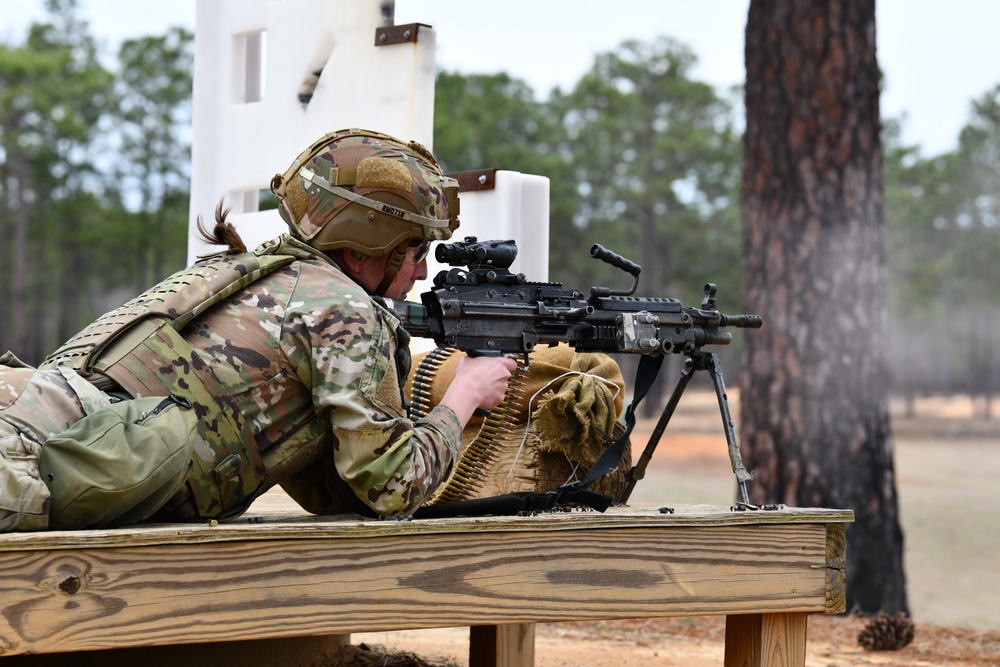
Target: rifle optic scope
{"points": [[475, 255]]}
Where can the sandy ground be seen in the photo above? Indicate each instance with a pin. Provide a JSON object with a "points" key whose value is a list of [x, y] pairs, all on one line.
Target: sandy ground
{"points": [[947, 465], [698, 642]]}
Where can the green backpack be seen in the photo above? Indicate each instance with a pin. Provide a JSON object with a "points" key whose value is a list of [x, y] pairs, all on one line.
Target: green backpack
{"points": [[120, 464]]}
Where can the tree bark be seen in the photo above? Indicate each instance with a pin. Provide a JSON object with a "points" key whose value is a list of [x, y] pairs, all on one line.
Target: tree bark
{"points": [[814, 420], [18, 323], [6, 243]]}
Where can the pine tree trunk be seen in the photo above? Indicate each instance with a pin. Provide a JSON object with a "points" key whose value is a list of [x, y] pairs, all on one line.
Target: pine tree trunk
{"points": [[815, 421], [6, 243], [18, 323]]}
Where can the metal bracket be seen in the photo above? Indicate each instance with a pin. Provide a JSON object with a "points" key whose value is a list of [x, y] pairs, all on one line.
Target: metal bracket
{"points": [[475, 181], [397, 34]]}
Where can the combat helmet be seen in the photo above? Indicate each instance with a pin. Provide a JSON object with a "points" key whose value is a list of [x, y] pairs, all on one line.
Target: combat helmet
{"points": [[368, 192]]}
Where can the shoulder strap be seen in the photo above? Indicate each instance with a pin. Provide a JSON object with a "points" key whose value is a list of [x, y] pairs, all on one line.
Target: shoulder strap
{"points": [[175, 302]]}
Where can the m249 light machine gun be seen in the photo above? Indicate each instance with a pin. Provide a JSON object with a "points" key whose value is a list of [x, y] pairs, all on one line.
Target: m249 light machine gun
{"points": [[480, 307]]}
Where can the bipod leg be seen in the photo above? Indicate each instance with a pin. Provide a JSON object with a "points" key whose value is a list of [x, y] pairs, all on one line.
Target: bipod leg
{"points": [[638, 471], [710, 362]]}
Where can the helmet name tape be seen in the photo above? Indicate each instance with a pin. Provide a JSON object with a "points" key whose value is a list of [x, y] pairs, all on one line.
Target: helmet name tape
{"points": [[392, 210]]}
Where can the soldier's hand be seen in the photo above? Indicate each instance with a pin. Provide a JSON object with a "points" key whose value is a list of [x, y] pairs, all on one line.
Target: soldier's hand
{"points": [[480, 382], [489, 376]]}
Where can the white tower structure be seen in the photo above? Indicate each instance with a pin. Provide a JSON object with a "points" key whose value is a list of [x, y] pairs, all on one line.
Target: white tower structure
{"points": [[272, 76]]}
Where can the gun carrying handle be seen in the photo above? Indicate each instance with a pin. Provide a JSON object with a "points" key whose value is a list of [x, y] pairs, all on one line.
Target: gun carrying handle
{"points": [[597, 251]]}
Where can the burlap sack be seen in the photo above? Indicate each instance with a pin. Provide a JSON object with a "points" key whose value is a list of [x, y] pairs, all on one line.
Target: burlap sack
{"points": [[565, 411]]}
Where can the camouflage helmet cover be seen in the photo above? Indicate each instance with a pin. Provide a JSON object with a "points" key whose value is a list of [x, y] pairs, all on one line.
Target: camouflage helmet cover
{"points": [[366, 191]]}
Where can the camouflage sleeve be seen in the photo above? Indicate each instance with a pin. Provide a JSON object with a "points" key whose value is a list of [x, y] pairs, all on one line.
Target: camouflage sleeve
{"points": [[343, 346], [315, 488]]}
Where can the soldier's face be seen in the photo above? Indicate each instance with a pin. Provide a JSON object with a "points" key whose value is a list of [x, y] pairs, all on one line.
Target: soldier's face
{"points": [[414, 268], [369, 271]]}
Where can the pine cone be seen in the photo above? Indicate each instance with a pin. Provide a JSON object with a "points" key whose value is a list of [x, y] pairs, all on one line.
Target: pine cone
{"points": [[886, 633]]}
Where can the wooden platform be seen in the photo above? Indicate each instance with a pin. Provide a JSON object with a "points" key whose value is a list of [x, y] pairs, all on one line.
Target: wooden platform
{"points": [[276, 573]]}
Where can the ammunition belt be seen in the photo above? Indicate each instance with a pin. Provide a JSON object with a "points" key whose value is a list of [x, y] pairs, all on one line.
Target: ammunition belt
{"points": [[480, 457]]}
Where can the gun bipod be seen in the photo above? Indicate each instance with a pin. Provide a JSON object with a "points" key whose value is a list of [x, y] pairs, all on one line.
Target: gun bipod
{"points": [[696, 361]]}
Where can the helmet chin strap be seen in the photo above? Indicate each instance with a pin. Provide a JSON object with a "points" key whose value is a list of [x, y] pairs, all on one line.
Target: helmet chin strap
{"points": [[396, 259]]}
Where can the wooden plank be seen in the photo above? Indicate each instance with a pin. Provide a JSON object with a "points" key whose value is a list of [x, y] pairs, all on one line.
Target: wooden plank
{"points": [[199, 591], [502, 645], [766, 640], [264, 525], [836, 568]]}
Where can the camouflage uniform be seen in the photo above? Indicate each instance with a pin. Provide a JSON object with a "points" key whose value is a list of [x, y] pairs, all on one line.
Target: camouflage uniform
{"points": [[311, 359], [310, 367], [294, 372], [34, 405]]}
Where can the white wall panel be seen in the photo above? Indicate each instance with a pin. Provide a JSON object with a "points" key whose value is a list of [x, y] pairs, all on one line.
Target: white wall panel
{"points": [[253, 61], [241, 141]]}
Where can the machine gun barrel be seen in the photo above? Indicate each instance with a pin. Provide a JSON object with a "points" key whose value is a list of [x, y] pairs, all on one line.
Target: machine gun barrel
{"points": [[741, 321]]}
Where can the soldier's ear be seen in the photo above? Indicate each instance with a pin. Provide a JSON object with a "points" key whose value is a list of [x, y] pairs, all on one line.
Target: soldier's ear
{"points": [[365, 270], [349, 260]]}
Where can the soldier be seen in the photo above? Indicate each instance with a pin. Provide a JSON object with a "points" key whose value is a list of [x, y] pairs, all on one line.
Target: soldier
{"points": [[291, 365]]}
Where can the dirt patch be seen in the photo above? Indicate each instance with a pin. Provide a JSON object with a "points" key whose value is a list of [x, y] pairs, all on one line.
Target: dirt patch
{"points": [[832, 640], [699, 642]]}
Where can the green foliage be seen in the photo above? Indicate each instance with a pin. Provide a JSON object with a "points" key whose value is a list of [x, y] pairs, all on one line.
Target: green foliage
{"points": [[494, 121], [67, 237], [656, 162], [640, 157], [54, 92], [485, 121], [154, 107], [154, 111]]}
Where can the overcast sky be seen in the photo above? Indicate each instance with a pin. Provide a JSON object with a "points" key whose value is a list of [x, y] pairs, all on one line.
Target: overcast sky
{"points": [[936, 56]]}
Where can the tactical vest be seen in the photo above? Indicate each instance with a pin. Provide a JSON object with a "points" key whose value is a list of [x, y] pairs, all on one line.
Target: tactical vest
{"points": [[139, 348]]}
